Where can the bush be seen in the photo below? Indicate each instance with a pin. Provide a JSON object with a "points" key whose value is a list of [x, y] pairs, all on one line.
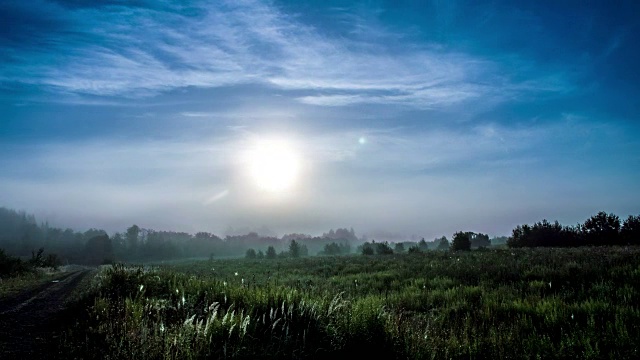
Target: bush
{"points": [[11, 266]]}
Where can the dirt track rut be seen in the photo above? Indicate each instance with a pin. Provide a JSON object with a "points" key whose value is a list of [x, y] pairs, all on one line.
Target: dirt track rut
{"points": [[29, 321]]}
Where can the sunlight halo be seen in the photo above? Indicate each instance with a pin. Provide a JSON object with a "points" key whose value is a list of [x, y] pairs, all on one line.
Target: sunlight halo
{"points": [[273, 164]]}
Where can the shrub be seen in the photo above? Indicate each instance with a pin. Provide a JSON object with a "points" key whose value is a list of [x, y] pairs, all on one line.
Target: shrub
{"points": [[11, 266]]}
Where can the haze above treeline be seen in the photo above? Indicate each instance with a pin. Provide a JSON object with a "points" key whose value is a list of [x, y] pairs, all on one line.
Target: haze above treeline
{"points": [[21, 234]]}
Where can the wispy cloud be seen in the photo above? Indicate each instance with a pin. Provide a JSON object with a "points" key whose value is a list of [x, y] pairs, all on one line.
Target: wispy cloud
{"points": [[135, 52]]}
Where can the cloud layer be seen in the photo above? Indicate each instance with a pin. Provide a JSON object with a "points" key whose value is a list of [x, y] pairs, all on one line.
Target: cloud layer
{"points": [[410, 118], [117, 50]]}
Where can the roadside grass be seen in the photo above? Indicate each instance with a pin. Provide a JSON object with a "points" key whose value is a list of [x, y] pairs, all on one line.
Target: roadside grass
{"points": [[27, 281], [526, 303]]}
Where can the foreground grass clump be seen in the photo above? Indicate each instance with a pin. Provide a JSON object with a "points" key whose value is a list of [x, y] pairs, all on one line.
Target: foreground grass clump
{"points": [[540, 303]]}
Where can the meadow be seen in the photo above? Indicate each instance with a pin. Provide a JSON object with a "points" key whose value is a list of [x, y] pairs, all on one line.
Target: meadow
{"points": [[539, 303]]}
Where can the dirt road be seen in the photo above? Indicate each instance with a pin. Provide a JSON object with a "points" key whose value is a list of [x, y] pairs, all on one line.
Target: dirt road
{"points": [[30, 321]]}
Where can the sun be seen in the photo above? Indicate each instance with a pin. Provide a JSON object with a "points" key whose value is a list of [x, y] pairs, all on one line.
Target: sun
{"points": [[274, 165]]}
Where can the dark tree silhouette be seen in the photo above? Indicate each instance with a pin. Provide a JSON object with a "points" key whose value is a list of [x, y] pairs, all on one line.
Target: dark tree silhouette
{"points": [[99, 250], [461, 241], [602, 229], [294, 249], [422, 245], [132, 237], [479, 240], [367, 248], [444, 244], [383, 248], [630, 232], [271, 253], [544, 234]]}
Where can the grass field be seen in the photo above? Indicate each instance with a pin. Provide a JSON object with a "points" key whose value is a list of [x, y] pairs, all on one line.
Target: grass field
{"points": [[493, 304]]}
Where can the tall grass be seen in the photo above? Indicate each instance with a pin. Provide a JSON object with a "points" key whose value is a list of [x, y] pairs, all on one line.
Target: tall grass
{"points": [[540, 303]]}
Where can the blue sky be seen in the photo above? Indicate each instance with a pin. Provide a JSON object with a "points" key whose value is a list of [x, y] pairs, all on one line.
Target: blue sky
{"points": [[407, 118]]}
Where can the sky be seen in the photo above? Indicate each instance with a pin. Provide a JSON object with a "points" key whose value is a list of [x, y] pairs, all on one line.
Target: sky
{"points": [[396, 118]]}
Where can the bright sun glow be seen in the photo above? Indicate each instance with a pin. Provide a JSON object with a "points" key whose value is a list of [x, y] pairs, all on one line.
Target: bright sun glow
{"points": [[274, 165]]}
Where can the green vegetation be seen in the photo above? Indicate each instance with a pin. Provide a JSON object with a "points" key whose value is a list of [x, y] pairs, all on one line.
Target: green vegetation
{"points": [[512, 303], [17, 275], [11, 266]]}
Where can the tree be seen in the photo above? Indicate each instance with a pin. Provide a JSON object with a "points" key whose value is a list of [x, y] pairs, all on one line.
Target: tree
{"points": [[304, 251], [422, 245], [602, 229], [461, 241], [367, 248], [479, 240], [630, 232], [132, 236], [444, 244], [37, 259], [399, 248], [331, 249], [271, 253], [543, 233], [383, 248], [99, 250], [294, 249], [260, 254], [250, 254], [414, 250]]}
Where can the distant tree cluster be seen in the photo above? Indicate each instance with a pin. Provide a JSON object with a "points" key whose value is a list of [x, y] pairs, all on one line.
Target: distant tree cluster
{"points": [[600, 229], [20, 234], [296, 250], [467, 240], [335, 248], [378, 248]]}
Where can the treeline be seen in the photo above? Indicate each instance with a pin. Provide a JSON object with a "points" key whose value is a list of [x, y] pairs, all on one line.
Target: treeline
{"points": [[599, 230], [462, 240], [144, 244], [21, 235]]}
